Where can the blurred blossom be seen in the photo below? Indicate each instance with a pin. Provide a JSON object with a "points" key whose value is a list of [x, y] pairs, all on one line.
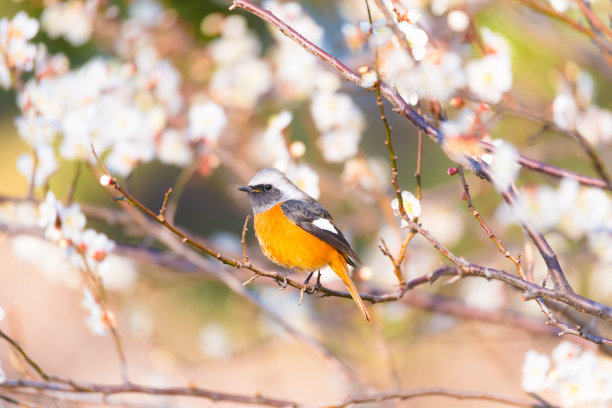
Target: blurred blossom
{"points": [[589, 212], [95, 246], [340, 121], [335, 111], [214, 341], [118, 273], [147, 12], [305, 178], [2, 375], [206, 122], [482, 294], [560, 5], [339, 145], [273, 141], [578, 377], [535, 369], [564, 111], [50, 260], [416, 37], [365, 174], [43, 166], [458, 20], [2, 314], [239, 72], [59, 221], [73, 20], [444, 221], [600, 242], [126, 155], [95, 320], [503, 163], [489, 77], [16, 52], [595, 124], [140, 320], [35, 129], [174, 148], [434, 78], [412, 206], [22, 214], [600, 281]]}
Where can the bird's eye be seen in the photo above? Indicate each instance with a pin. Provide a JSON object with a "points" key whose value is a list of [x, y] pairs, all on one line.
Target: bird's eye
{"points": [[268, 187]]}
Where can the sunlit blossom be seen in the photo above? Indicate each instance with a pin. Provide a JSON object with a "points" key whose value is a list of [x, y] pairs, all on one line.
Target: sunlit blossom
{"points": [[95, 321], [305, 178], [535, 371], [412, 206], [206, 121], [489, 77], [214, 341], [339, 145]]}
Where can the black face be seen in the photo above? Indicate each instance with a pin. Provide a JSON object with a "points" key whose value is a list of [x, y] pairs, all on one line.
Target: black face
{"points": [[263, 196]]}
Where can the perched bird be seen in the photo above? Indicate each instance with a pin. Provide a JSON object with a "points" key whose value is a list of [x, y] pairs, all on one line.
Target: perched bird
{"points": [[296, 232]]}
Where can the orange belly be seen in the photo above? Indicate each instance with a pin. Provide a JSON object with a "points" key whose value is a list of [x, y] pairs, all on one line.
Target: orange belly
{"points": [[289, 245]]}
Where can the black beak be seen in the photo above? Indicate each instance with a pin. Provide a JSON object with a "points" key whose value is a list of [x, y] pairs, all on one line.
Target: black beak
{"points": [[246, 189]]}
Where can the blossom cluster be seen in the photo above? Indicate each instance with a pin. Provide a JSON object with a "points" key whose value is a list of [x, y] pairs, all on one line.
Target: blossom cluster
{"points": [[573, 109], [578, 377], [17, 53]]}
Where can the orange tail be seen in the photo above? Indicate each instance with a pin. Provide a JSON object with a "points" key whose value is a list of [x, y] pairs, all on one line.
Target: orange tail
{"points": [[341, 269]]}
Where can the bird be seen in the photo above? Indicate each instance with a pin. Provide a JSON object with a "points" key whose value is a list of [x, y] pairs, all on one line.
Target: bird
{"points": [[296, 232]]}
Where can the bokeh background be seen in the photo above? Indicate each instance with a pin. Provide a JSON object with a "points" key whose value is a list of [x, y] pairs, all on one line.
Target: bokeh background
{"points": [[180, 325]]}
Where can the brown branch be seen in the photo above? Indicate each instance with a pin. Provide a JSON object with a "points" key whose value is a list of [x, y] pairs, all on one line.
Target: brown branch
{"points": [[245, 256], [162, 212], [443, 392], [108, 389]]}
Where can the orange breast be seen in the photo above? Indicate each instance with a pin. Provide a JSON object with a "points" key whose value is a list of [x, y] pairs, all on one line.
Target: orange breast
{"points": [[290, 246]]}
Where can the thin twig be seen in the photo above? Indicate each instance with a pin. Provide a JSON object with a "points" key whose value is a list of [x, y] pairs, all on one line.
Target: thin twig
{"points": [[417, 173], [516, 260], [245, 256], [25, 356], [162, 212]]}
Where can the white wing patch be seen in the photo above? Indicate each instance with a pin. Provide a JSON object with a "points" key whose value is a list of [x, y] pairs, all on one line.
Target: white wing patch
{"points": [[325, 225]]}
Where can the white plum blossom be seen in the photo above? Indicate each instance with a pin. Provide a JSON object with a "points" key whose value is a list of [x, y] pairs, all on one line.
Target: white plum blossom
{"points": [[489, 77], [560, 5], [334, 111], [433, 79], [305, 178], [59, 221], [2, 314], [174, 148], [118, 273], [43, 166], [503, 163], [535, 371], [412, 207], [339, 145], [96, 319], [274, 143], [595, 124], [206, 122], [73, 20], [416, 37], [458, 20], [564, 111], [17, 54]]}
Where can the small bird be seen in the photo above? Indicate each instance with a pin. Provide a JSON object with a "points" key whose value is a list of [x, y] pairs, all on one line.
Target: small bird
{"points": [[296, 232]]}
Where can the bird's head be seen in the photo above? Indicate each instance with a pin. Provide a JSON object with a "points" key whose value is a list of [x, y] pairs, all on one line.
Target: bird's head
{"points": [[269, 187]]}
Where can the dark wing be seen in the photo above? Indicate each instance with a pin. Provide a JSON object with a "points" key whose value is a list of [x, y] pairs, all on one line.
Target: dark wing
{"points": [[307, 214]]}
